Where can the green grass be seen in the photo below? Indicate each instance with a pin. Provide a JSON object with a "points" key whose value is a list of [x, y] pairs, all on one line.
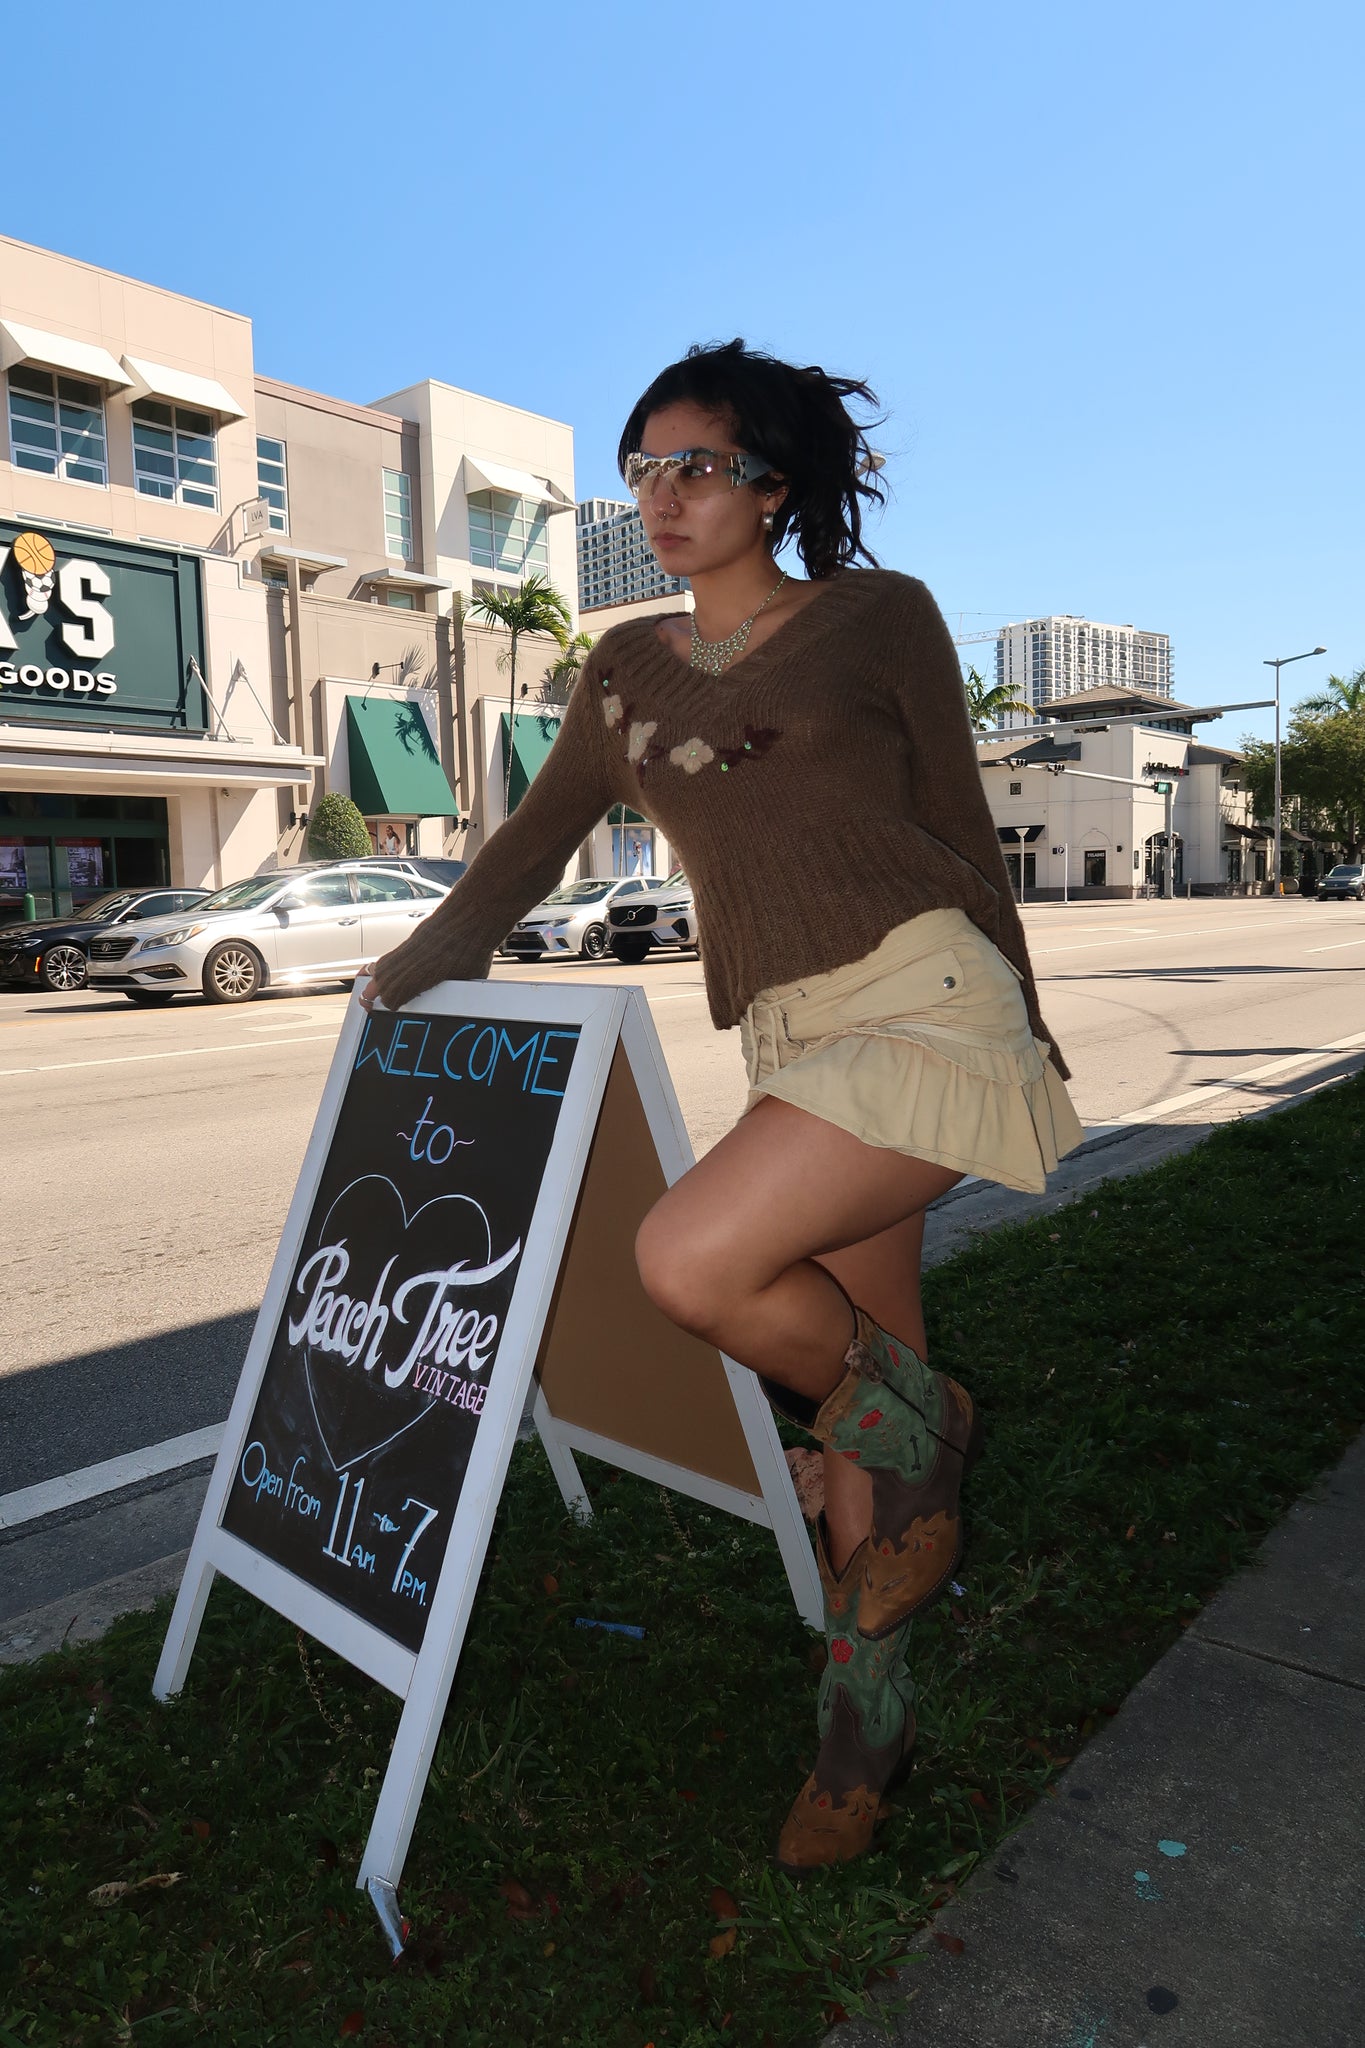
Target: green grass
{"points": [[1164, 1367]]}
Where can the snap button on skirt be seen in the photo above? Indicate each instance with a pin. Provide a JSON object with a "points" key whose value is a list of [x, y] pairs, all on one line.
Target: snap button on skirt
{"points": [[923, 1047]]}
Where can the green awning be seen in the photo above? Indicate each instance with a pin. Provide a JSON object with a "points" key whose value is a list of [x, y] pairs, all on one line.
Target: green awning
{"points": [[395, 768], [535, 735], [620, 814]]}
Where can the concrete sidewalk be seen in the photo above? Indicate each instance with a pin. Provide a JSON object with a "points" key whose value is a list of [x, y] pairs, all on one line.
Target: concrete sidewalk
{"points": [[1199, 1875]]}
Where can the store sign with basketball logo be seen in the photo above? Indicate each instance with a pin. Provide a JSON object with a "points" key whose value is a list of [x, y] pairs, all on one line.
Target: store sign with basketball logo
{"points": [[71, 596]]}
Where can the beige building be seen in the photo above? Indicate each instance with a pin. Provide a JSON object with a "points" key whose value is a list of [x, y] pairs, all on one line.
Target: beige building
{"points": [[1072, 821], [221, 595]]}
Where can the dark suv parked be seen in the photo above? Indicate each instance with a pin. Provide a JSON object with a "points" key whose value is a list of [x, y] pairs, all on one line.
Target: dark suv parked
{"points": [[1347, 878], [54, 952]]}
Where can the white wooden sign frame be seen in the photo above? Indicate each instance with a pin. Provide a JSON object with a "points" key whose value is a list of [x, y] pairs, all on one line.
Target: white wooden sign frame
{"points": [[608, 1018]]}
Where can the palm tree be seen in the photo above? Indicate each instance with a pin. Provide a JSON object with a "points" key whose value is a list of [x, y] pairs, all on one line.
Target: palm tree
{"points": [[535, 606], [1342, 693], [986, 703], [562, 673]]}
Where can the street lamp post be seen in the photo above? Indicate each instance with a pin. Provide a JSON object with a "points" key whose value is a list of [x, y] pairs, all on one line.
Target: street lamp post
{"points": [[1277, 664]]}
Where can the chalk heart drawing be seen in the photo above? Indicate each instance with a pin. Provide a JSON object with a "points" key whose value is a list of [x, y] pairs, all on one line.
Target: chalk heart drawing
{"points": [[381, 1299]]}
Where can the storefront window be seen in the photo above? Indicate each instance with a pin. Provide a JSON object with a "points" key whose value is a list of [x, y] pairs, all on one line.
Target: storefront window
{"points": [[174, 454], [56, 426], [62, 850], [1094, 869], [632, 850]]}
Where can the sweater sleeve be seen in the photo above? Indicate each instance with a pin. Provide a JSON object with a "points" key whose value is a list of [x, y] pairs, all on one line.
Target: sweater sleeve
{"points": [[946, 788], [518, 863]]}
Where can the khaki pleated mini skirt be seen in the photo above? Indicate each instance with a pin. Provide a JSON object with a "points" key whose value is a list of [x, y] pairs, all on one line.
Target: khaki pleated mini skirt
{"points": [[922, 1047]]}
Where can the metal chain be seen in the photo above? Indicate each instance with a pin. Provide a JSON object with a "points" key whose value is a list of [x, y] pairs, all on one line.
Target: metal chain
{"points": [[310, 1681]]}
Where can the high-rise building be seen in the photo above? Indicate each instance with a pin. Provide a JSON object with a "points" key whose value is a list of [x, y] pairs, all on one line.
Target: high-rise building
{"points": [[616, 564], [1040, 660]]}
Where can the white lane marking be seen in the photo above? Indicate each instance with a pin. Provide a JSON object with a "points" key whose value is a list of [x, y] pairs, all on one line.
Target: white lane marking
{"points": [[1317, 1052], [1340, 946], [1184, 932], [32, 1502], [284, 1024], [187, 1052]]}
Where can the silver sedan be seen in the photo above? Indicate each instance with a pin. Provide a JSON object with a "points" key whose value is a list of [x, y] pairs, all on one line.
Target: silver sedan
{"points": [[573, 920], [296, 926]]}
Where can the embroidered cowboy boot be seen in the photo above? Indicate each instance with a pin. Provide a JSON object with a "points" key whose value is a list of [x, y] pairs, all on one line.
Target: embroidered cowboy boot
{"points": [[917, 1434], [867, 1729]]}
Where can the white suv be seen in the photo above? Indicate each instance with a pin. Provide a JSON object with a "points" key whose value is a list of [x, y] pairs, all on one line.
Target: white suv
{"points": [[296, 926]]}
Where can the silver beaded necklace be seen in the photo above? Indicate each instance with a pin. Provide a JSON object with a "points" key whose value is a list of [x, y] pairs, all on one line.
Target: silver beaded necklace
{"points": [[714, 656]]}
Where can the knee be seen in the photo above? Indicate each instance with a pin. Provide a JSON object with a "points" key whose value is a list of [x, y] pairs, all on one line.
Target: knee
{"points": [[681, 1274]]}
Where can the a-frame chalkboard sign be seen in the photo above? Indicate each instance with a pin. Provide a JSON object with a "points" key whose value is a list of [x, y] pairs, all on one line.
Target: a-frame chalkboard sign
{"points": [[464, 1221]]}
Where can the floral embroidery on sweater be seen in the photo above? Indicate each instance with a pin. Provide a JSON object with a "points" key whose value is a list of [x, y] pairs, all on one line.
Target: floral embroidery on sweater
{"points": [[691, 755]]}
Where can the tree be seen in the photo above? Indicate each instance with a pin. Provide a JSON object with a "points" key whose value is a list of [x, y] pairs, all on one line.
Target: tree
{"points": [[1322, 763], [535, 606], [986, 703], [1342, 693], [336, 829], [562, 674]]}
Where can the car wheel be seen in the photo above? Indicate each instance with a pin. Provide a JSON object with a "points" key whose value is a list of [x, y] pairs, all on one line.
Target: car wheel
{"points": [[232, 973], [149, 998], [630, 951], [594, 942], [64, 968]]}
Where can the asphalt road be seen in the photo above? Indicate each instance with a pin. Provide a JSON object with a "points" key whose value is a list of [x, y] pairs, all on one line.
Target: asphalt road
{"points": [[150, 1157]]}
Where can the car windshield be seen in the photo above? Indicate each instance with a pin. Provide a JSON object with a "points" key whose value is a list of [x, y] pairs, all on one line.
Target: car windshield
{"points": [[244, 895], [1348, 873], [580, 892], [107, 905]]}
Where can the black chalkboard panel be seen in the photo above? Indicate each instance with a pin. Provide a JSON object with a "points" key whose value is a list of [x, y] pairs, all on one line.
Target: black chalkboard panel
{"points": [[380, 1364]]}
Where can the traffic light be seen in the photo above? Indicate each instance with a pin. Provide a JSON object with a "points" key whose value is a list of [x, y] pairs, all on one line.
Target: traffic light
{"points": [[1163, 788]]}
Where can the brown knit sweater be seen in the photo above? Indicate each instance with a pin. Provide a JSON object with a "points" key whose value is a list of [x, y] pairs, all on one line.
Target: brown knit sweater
{"points": [[820, 792]]}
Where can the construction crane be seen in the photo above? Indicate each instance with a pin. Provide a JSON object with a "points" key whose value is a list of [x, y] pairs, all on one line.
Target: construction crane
{"points": [[973, 639]]}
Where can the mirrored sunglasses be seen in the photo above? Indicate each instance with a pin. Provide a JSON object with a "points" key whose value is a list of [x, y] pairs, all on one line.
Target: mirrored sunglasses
{"points": [[692, 472]]}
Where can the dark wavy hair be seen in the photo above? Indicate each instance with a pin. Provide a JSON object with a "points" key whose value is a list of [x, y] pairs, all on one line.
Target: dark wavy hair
{"points": [[797, 419]]}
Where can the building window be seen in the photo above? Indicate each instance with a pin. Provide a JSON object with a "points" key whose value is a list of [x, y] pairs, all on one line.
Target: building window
{"points": [[1094, 870], [398, 514], [56, 426], [174, 455], [401, 600], [1016, 789], [507, 533], [272, 481]]}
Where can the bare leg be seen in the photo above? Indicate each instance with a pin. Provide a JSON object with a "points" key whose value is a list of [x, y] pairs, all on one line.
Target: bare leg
{"points": [[741, 1250], [730, 1251]]}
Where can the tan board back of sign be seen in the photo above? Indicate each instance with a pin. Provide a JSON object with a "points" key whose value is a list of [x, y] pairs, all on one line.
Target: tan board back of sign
{"points": [[610, 1362]]}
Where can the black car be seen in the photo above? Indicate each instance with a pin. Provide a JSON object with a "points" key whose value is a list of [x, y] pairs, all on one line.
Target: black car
{"points": [[1346, 879], [53, 952]]}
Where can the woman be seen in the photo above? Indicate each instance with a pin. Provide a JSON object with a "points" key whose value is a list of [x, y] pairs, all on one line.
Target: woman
{"points": [[805, 746]]}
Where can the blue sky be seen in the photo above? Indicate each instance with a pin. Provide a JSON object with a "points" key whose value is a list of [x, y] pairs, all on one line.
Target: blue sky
{"points": [[1102, 263]]}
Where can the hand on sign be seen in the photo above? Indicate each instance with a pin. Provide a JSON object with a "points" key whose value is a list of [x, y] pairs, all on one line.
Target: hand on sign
{"points": [[370, 994]]}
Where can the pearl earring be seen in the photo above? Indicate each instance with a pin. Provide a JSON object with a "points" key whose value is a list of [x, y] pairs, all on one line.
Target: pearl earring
{"points": [[767, 522]]}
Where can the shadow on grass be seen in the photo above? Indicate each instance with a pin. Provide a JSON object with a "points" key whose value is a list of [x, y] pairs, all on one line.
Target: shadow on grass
{"points": [[1164, 1366]]}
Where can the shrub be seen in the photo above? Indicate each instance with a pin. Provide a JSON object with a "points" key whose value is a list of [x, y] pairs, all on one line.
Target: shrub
{"points": [[336, 830]]}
